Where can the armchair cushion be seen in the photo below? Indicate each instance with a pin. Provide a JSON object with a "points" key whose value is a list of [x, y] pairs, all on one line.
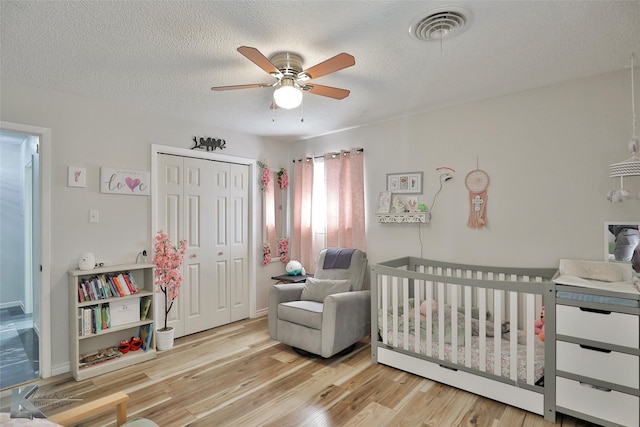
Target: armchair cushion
{"points": [[318, 289], [307, 313]]}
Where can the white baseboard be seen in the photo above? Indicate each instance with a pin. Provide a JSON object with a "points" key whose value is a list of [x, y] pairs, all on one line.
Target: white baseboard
{"points": [[60, 369], [261, 313]]}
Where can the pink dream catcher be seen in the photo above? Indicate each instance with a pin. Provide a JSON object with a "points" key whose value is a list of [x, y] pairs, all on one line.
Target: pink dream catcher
{"points": [[477, 182]]}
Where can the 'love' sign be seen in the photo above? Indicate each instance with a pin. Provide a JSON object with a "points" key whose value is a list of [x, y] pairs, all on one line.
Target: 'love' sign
{"points": [[124, 181]]}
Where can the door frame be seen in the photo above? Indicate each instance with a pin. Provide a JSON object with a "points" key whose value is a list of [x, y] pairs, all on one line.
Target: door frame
{"points": [[253, 194], [45, 148]]}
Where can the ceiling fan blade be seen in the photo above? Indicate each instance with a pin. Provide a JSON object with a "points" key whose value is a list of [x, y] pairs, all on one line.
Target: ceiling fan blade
{"points": [[331, 92], [338, 62], [255, 56], [234, 87]]}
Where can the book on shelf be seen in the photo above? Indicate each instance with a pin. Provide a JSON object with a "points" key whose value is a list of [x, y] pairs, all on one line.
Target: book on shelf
{"points": [[146, 333], [123, 284], [99, 357], [133, 282], [118, 285], [97, 318], [144, 308], [87, 329], [106, 316], [127, 278]]}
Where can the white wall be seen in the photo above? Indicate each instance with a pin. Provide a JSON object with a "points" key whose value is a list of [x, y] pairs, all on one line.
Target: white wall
{"points": [[546, 151], [89, 133]]}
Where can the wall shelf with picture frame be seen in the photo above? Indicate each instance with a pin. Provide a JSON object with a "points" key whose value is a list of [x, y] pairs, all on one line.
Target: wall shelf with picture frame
{"points": [[400, 209]]}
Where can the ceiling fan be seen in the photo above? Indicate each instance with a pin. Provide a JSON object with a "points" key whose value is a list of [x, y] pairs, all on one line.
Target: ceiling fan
{"points": [[291, 79]]}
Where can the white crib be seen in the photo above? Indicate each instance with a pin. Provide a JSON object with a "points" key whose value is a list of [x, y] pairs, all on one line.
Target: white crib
{"points": [[471, 327]]}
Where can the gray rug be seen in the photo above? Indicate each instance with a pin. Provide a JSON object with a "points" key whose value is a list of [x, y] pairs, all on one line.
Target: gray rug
{"points": [[15, 367]]}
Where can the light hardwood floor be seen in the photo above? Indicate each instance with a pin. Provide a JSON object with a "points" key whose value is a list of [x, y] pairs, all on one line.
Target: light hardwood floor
{"points": [[236, 375]]}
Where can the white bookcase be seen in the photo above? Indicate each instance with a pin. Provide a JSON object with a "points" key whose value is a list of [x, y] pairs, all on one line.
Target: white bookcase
{"points": [[111, 337]]}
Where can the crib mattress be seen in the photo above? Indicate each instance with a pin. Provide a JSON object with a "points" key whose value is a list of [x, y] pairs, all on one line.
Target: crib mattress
{"points": [[504, 359]]}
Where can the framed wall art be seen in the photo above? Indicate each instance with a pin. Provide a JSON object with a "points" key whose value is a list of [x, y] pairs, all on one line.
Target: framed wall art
{"points": [[405, 182], [384, 202], [76, 177], [124, 181]]}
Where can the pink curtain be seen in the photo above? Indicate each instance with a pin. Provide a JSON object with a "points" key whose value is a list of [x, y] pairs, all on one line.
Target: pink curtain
{"points": [[302, 235], [344, 176]]}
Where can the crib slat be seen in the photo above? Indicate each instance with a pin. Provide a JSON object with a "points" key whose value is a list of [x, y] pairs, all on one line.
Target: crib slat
{"points": [[394, 302], [441, 321], [429, 294], [482, 335], [416, 315], [531, 315], [405, 312], [468, 305], [513, 336], [454, 322], [497, 344], [385, 307]]}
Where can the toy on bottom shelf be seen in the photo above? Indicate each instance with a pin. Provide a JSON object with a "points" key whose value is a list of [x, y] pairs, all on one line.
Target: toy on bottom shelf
{"points": [[539, 325], [295, 268]]}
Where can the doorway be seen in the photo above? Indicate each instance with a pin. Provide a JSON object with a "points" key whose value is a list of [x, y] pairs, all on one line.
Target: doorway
{"points": [[19, 347], [24, 254]]}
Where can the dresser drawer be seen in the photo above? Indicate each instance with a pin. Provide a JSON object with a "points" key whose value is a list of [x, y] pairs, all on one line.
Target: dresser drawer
{"points": [[620, 408], [614, 328], [610, 366]]}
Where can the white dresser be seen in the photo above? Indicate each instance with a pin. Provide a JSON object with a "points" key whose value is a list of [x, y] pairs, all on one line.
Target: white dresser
{"points": [[597, 338]]}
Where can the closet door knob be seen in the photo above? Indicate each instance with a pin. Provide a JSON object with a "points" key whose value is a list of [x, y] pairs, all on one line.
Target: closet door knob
{"points": [[193, 256], [220, 253]]}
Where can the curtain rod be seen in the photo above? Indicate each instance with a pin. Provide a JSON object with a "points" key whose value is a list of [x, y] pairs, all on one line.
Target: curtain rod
{"points": [[357, 150]]}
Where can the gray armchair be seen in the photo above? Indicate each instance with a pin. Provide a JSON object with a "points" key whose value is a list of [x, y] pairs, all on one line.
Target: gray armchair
{"points": [[329, 313]]}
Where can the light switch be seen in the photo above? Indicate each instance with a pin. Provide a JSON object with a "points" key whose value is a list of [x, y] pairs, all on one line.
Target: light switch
{"points": [[94, 216]]}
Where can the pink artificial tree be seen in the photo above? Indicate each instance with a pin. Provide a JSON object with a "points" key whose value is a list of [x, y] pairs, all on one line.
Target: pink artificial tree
{"points": [[168, 260]]}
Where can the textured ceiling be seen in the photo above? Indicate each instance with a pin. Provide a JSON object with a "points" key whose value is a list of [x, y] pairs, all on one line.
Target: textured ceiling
{"points": [[164, 56]]}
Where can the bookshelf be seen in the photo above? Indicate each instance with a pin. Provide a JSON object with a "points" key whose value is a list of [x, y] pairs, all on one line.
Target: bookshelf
{"points": [[123, 310]]}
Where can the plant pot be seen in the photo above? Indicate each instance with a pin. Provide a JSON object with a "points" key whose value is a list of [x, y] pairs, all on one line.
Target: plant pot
{"points": [[164, 338]]}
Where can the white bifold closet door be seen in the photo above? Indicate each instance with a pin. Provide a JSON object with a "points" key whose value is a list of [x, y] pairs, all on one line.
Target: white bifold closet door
{"points": [[206, 203]]}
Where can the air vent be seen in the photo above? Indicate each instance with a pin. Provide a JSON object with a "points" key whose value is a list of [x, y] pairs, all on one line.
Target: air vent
{"points": [[439, 25]]}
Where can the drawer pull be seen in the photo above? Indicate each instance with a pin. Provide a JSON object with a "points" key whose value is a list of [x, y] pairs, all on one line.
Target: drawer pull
{"points": [[595, 310], [449, 368], [588, 347], [595, 387]]}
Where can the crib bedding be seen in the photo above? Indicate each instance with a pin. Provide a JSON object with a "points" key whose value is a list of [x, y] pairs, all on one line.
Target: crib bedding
{"points": [[475, 358]]}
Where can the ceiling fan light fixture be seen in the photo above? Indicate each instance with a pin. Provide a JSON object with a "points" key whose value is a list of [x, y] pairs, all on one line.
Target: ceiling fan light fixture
{"points": [[287, 95]]}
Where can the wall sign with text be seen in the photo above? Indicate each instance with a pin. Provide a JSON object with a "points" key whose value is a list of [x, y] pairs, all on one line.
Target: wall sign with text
{"points": [[124, 181]]}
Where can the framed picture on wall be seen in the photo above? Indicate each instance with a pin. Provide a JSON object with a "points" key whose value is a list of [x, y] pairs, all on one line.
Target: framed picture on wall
{"points": [[384, 202], [405, 182]]}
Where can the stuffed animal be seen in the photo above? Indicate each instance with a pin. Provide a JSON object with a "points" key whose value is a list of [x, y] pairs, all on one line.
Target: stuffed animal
{"points": [[87, 261], [539, 325], [294, 268]]}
